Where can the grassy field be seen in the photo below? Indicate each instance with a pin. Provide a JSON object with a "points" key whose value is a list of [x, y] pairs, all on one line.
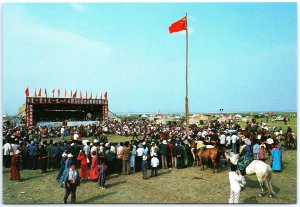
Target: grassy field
{"points": [[189, 185]]}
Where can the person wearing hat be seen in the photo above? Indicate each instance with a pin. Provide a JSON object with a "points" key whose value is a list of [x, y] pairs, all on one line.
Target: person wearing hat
{"points": [[144, 167], [32, 149], [70, 182], [62, 166], [154, 165], [163, 149], [15, 166]]}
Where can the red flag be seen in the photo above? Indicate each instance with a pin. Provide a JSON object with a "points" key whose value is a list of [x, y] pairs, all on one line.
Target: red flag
{"points": [[105, 95], [34, 92], [75, 94], [65, 93], [53, 92], [27, 92], [85, 94], [46, 92], [178, 26], [40, 92], [58, 92], [91, 95], [101, 96], [80, 94]]}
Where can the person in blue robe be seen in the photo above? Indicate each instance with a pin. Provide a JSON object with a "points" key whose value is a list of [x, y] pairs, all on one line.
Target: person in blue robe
{"points": [[276, 159]]}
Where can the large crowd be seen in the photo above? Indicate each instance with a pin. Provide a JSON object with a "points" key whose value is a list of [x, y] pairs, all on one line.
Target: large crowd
{"points": [[152, 146]]}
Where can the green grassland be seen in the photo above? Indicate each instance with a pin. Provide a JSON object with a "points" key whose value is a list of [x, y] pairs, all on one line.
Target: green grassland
{"points": [[189, 185]]}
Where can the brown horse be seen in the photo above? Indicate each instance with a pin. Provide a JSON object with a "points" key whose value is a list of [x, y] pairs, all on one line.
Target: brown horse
{"points": [[213, 154], [194, 151]]}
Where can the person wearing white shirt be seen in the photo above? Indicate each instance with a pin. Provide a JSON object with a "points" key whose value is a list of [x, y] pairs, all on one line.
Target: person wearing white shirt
{"points": [[222, 139], [75, 136], [228, 141], [233, 140], [6, 154], [154, 165], [236, 182]]}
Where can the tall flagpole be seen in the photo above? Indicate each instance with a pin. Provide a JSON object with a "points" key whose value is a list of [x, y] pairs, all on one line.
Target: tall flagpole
{"points": [[186, 84]]}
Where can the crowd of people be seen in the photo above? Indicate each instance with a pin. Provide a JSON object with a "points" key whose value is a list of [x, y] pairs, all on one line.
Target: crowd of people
{"points": [[155, 146]]}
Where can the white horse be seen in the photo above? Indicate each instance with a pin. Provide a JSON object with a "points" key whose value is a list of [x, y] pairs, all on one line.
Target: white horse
{"points": [[262, 170]]}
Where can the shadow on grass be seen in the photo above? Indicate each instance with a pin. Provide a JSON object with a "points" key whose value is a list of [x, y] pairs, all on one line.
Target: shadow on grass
{"points": [[255, 184], [115, 184], [97, 197], [251, 200]]}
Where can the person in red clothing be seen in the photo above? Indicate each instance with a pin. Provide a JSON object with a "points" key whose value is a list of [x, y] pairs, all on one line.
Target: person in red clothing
{"points": [[170, 158], [84, 172], [15, 166], [94, 174]]}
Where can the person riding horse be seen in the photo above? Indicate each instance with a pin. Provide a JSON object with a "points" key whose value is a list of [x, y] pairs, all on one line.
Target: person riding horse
{"points": [[245, 158]]}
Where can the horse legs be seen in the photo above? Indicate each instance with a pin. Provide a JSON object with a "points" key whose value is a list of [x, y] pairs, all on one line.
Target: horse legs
{"points": [[193, 153], [262, 186]]}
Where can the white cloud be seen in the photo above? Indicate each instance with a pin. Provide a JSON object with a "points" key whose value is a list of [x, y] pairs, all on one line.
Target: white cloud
{"points": [[78, 7]]}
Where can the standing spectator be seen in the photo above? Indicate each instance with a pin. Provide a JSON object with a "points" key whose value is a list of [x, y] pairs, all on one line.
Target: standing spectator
{"points": [[235, 180], [49, 155], [55, 153], [269, 143], [262, 153], [125, 157], [84, 172], [234, 139], [170, 149], [255, 150], [62, 133], [154, 165], [163, 148], [228, 141], [144, 167], [62, 167], [101, 170], [87, 152], [139, 157], [222, 140], [6, 154], [276, 159], [94, 174], [15, 166], [178, 152], [42, 157], [71, 181], [32, 156], [119, 157], [132, 158]]}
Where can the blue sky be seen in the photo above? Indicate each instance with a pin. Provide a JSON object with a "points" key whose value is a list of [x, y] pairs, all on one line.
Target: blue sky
{"points": [[242, 56]]}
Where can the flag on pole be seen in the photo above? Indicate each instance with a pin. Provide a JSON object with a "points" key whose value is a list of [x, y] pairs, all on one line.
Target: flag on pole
{"points": [[27, 92], [34, 92], [91, 95], [40, 92], [105, 95], [71, 94], [101, 96], [80, 94], [75, 94], [58, 92], [46, 92], [178, 26], [96, 95], [86, 95], [53, 92], [65, 93]]}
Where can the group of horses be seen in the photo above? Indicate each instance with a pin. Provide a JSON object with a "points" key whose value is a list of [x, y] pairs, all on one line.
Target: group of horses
{"points": [[214, 153]]}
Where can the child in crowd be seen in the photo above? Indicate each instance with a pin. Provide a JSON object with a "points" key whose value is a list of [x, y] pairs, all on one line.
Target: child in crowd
{"points": [[262, 153], [144, 167], [154, 165]]}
